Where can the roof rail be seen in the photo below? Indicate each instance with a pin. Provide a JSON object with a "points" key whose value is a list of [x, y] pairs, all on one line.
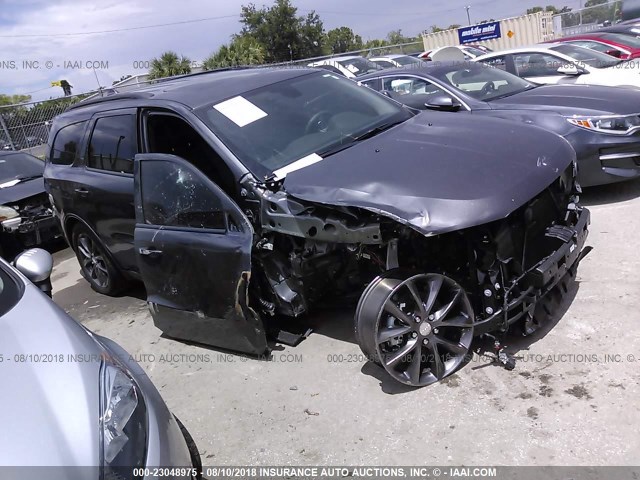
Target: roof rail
{"points": [[130, 95], [204, 72], [93, 101]]}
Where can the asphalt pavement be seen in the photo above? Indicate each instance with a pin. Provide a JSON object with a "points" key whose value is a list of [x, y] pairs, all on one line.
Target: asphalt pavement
{"points": [[573, 398]]}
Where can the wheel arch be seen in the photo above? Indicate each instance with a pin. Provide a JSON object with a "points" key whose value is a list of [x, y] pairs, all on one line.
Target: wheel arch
{"points": [[71, 221]]}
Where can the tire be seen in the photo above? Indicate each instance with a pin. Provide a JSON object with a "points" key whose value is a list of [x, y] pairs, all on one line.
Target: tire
{"points": [[196, 460], [418, 327], [95, 265]]}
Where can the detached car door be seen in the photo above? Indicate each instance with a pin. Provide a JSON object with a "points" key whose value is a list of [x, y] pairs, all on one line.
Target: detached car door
{"points": [[193, 247]]}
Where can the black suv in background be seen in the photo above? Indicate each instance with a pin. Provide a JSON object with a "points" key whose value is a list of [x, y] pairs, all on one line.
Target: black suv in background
{"points": [[240, 195]]}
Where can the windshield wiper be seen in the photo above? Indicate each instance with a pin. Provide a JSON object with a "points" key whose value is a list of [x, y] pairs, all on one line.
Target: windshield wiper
{"points": [[376, 130], [510, 94], [350, 143], [353, 140]]}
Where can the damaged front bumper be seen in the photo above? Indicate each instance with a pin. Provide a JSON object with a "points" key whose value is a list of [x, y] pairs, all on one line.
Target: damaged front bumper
{"points": [[32, 231], [539, 280]]}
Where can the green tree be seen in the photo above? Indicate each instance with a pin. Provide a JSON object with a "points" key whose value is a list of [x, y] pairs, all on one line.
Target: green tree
{"points": [[342, 39], [312, 36], [375, 43], [597, 11], [168, 65], [122, 78], [243, 50], [14, 99], [436, 29], [283, 35], [550, 8], [395, 37]]}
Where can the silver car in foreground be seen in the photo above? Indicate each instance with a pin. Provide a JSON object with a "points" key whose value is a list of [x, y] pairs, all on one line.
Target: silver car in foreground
{"points": [[74, 404]]}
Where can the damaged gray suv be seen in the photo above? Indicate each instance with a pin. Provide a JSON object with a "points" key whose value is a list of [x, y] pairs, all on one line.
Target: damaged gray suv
{"points": [[242, 197]]}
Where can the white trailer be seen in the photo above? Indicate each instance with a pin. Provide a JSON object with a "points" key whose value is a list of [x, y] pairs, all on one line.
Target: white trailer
{"points": [[499, 35]]}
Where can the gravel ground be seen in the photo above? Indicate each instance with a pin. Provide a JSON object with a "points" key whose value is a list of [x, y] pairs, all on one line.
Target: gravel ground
{"points": [[566, 403]]}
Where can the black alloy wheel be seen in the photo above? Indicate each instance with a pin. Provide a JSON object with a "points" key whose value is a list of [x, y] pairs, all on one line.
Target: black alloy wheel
{"points": [[95, 265], [418, 327]]}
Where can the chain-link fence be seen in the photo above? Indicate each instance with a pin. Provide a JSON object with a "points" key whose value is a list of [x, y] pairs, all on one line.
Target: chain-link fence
{"points": [[588, 19], [26, 126]]}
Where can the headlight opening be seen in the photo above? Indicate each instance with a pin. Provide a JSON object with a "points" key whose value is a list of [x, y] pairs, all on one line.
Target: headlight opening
{"points": [[615, 125], [123, 423]]}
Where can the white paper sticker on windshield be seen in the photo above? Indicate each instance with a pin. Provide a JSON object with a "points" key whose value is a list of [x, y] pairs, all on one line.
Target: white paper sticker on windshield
{"points": [[352, 68], [297, 165], [240, 111]]}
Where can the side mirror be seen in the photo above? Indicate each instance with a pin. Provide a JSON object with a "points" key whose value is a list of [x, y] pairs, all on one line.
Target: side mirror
{"points": [[443, 103], [571, 70], [36, 264]]}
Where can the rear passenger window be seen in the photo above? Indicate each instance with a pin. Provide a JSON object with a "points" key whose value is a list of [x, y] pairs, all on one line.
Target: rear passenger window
{"points": [[113, 144], [497, 62], [67, 143]]}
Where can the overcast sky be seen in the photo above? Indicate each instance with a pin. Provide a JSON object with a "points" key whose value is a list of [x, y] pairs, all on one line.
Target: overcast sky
{"points": [[59, 56]]}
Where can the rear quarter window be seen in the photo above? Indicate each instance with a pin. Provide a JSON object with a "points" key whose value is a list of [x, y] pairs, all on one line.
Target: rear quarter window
{"points": [[66, 144]]}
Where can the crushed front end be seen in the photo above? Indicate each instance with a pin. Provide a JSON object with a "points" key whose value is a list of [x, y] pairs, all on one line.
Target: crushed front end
{"points": [[521, 259], [29, 222], [422, 297]]}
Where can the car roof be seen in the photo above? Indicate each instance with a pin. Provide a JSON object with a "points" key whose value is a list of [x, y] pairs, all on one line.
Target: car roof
{"points": [[542, 47], [204, 88], [591, 35], [345, 57], [390, 55], [429, 69]]}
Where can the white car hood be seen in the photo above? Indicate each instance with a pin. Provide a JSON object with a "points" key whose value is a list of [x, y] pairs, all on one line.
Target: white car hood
{"points": [[624, 74]]}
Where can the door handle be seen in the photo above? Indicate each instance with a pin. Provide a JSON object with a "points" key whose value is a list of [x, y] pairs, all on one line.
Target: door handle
{"points": [[147, 251], [82, 191]]}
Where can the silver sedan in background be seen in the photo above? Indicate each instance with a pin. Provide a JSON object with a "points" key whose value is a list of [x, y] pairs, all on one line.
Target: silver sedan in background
{"points": [[72, 401]]}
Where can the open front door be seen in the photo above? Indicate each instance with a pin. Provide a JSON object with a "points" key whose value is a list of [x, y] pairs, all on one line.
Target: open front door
{"points": [[193, 248]]}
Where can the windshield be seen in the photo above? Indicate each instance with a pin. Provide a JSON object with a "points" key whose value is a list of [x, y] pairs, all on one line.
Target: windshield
{"points": [[16, 166], [586, 55], [360, 66], [481, 81], [274, 126], [406, 60], [476, 52]]}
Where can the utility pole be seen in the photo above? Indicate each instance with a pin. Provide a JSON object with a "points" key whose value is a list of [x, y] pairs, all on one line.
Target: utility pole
{"points": [[580, 11], [467, 8]]}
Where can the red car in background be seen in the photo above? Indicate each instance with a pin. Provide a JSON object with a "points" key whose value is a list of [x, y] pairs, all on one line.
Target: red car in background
{"points": [[617, 45]]}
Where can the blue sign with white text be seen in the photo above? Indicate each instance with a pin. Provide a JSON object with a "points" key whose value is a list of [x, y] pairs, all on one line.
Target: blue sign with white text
{"points": [[479, 33]]}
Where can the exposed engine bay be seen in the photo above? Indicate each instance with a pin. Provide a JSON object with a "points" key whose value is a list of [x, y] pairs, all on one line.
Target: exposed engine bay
{"points": [[34, 225], [424, 297]]}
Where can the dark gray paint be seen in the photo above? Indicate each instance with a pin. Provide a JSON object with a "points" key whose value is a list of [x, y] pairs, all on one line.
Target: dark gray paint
{"points": [[546, 106], [422, 168], [21, 190]]}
